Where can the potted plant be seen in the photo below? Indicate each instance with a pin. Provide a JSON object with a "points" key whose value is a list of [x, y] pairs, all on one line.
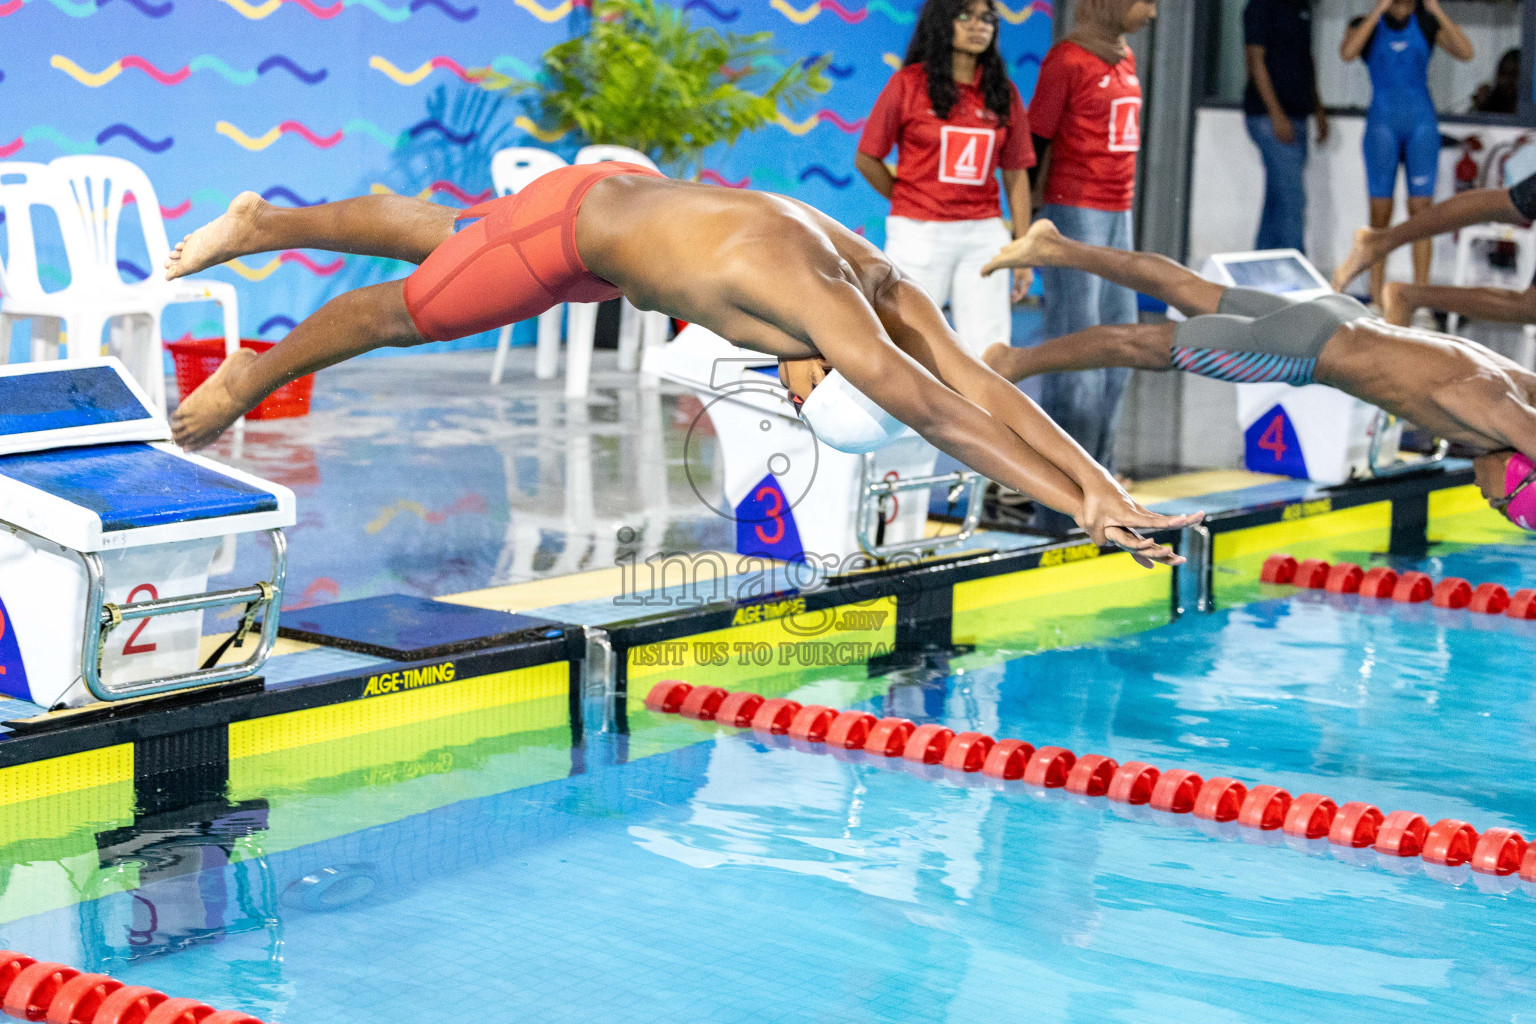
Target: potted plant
{"points": [[645, 78]]}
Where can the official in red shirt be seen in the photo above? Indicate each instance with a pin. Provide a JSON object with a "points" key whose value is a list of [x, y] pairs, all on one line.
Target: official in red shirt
{"points": [[1086, 116], [955, 119]]}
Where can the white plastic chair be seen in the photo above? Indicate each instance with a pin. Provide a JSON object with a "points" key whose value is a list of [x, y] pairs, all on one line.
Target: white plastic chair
{"points": [[636, 329], [22, 297], [93, 188], [512, 170]]}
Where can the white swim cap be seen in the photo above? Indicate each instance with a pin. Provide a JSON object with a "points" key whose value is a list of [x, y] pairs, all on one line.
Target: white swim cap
{"points": [[843, 417]]}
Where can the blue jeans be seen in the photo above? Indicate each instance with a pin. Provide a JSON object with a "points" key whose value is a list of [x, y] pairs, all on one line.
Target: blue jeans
{"points": [[1284, 223], [1087, 403]]}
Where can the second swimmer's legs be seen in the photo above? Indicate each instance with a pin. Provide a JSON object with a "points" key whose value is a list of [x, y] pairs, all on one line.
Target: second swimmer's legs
{"points": [[1506, 305], [1381, 216], [395, 227], [1145, 272], [1136, 346]]}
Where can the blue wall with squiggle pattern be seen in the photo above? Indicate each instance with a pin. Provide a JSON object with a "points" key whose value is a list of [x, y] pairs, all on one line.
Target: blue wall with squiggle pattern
{"points": [[305, 101]]}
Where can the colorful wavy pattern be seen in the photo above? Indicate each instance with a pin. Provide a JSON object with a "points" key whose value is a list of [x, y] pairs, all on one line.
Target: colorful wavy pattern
{"points": [[389, 12], [718, 13], [715, 178], [851, 17], [86, 8], [854, 16], [798, 128], [448, 64], [145, 8], [202, 62], [354, 127], [1022, 15], [438, 188], [48, 133], [199, 173], [818, 171], [269, 268]]}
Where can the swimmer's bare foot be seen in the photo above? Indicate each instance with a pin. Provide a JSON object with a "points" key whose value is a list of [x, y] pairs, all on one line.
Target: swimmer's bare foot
{"points": [[1002, 359], [1367, 250], [207, 412], [1040, 246], [228, 235]]}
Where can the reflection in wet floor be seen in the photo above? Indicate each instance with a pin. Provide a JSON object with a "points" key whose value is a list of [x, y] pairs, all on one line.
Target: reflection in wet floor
{"points": [[417, 476]]}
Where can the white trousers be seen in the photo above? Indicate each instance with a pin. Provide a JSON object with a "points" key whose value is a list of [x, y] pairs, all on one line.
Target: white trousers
{"points": [[945, 258]]}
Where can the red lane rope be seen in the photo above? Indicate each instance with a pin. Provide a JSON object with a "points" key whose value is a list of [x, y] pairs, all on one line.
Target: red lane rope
{"points": [[38, 990], [1409, 588], [1449, 842]]}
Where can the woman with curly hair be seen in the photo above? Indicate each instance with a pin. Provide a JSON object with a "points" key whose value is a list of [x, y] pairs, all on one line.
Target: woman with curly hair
{"points": [[955, 120]]}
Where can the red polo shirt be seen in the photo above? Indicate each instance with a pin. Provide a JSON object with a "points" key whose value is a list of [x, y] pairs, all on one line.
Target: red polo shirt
{"points": [[1091, 112], [946, 169]]}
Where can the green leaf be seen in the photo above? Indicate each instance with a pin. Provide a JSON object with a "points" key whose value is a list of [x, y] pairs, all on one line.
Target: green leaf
{"points": [[644, 77]]}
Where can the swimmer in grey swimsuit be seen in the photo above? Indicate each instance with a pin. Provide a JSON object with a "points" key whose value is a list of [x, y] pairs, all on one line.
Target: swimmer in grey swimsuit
{"points": [[1454, 388], [1256, 336]]}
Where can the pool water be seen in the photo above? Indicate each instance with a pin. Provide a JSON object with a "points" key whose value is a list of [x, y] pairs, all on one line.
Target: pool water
{"points": [[732, 878]]}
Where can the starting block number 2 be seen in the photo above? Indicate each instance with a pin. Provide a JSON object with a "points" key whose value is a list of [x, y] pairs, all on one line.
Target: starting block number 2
{"points": [[132, 646]]}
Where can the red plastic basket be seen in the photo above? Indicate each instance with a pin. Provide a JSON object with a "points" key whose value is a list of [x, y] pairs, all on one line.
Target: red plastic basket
{"points": [[197, 358]]}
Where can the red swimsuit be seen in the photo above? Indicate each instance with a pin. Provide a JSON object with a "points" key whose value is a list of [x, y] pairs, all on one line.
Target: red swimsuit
{"points": [[516, 261]]}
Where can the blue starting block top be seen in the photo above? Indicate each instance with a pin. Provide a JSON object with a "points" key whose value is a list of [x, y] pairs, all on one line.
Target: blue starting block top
{"points": [[84, 396], [134, 485], [82, 464]]}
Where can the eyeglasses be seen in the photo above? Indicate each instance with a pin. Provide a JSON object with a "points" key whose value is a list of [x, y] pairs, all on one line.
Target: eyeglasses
{"points": [[985, 17], [1501, 505]]}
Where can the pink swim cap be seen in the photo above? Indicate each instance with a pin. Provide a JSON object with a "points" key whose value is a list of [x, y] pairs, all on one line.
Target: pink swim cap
{"points": [[1521, 509]]}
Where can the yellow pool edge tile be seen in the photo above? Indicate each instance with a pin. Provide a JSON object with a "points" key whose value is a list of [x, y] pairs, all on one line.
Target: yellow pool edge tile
{"points": [[67, 774], [265, 735], [1275, 536], [1090, 570]]}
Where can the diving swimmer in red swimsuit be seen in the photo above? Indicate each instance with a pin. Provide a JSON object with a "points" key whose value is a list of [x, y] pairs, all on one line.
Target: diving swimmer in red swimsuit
{"points": [[517, 260], [765, 271]]}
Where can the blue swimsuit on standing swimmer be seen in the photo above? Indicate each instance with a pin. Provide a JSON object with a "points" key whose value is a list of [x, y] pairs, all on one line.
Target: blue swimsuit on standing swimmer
{"points": [[1401, 125]]}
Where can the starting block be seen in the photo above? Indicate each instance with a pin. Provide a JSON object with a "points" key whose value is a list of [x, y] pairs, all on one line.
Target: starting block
{"points": [[107, 533], [1312, 432], [790, 495]]}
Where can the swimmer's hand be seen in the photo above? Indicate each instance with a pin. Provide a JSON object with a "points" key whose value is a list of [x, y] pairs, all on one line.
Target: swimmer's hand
{"points": [[1367, 250], [1110, 516], [210, 410]]}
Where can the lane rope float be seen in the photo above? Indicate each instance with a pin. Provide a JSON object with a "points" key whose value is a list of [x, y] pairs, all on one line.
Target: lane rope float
{"points": [[1384, 584], [40, 990], [1449, 842]]}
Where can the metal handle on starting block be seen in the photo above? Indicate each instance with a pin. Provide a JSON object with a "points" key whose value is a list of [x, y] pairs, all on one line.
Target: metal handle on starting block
{"points": [[101, 618], [872, 491], [1380, 424]]}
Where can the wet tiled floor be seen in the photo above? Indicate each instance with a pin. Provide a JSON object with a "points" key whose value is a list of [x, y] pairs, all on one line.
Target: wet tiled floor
{"points": [[417, 476]]}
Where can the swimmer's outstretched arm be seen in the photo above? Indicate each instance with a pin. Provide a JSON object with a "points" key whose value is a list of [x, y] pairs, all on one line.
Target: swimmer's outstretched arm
{"points": [[1479, 206], [919, 330], [976, 417]]}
